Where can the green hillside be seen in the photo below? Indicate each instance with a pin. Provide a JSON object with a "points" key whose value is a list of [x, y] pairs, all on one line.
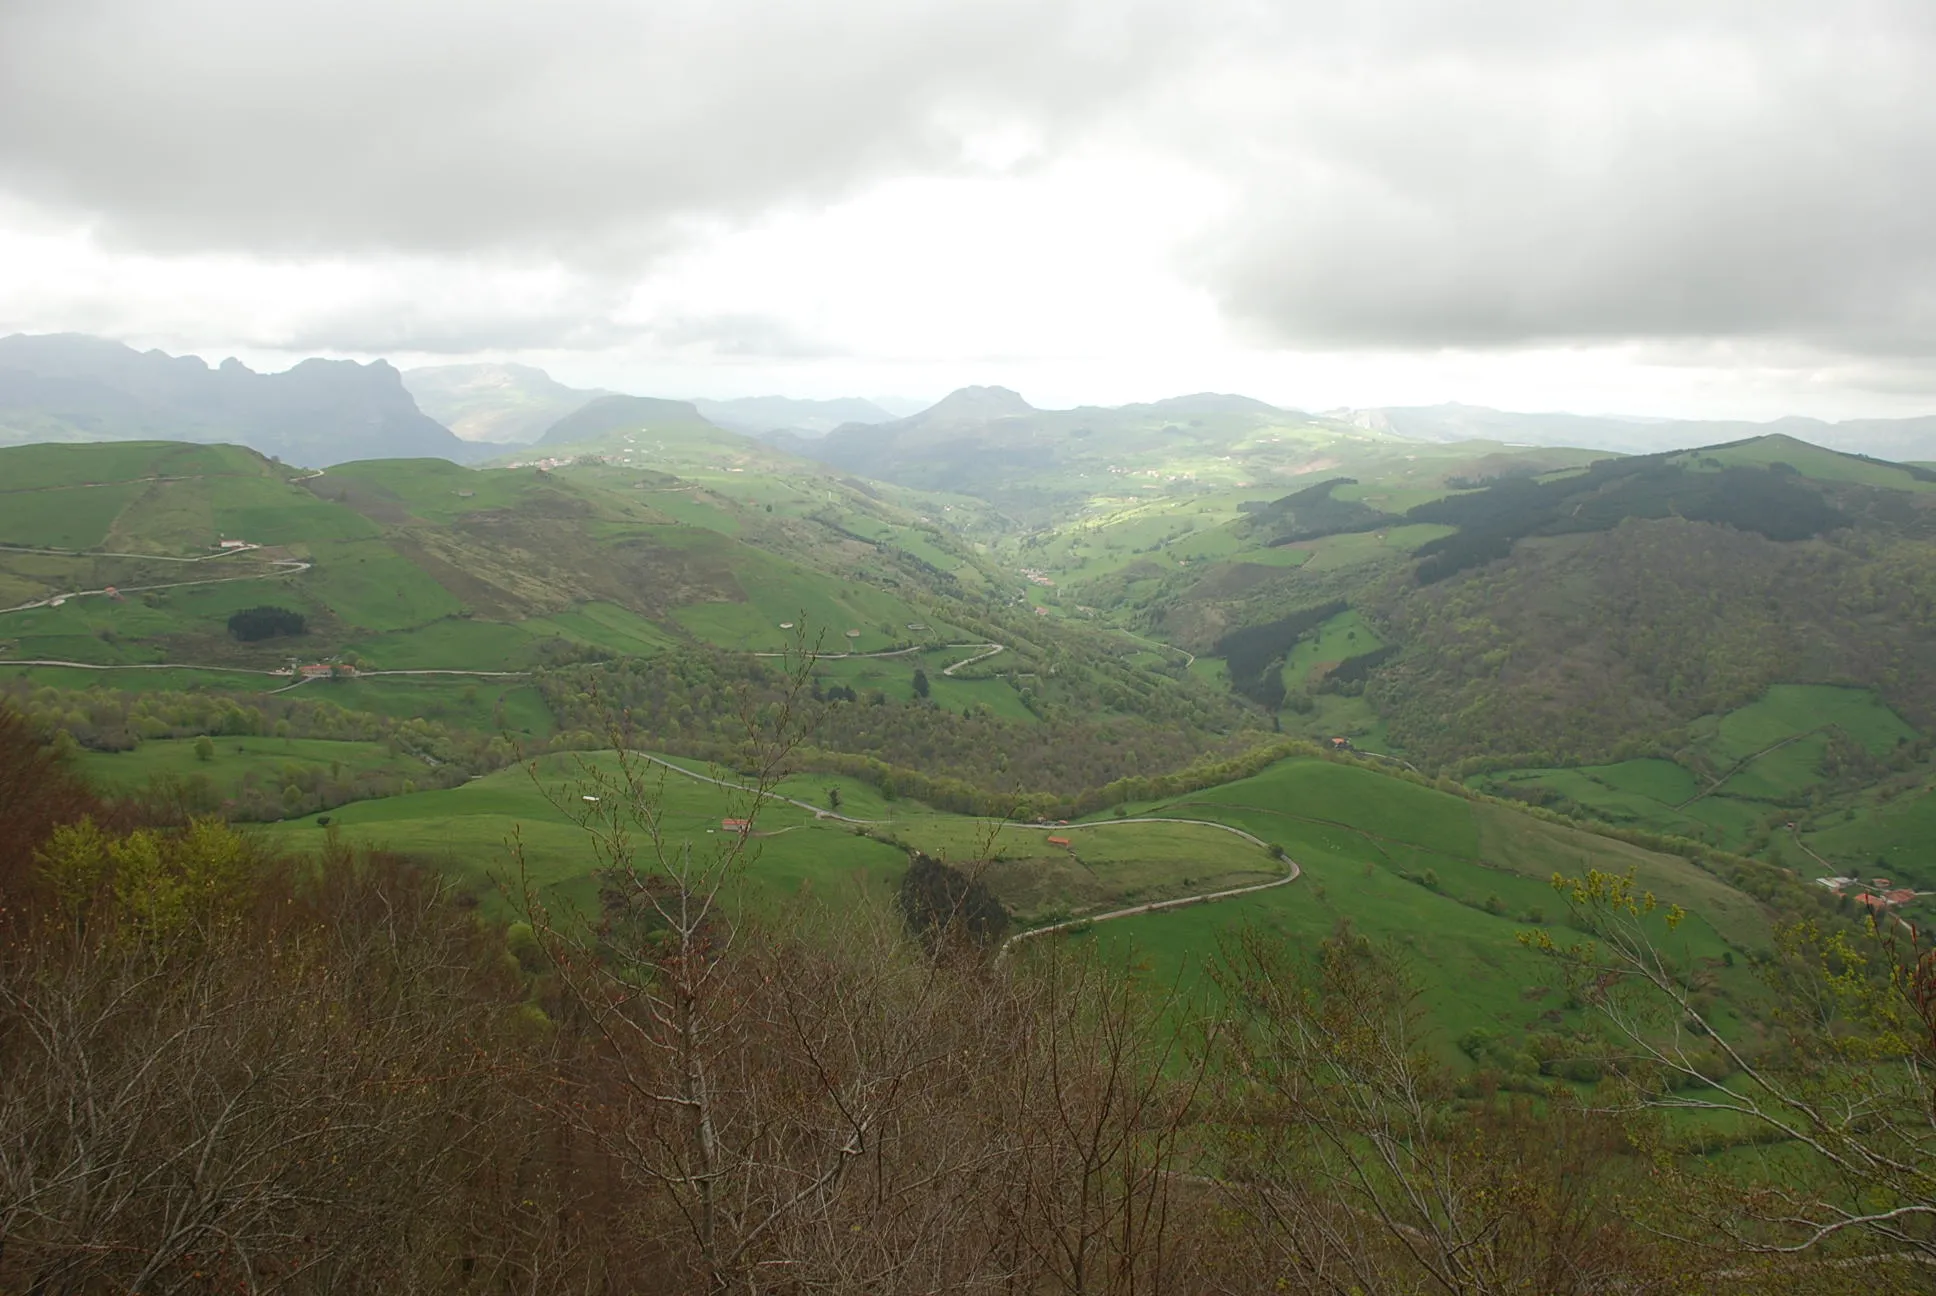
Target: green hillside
{"points": [[409, 564], [1741, 776], [411, 577], [1447, 880]]}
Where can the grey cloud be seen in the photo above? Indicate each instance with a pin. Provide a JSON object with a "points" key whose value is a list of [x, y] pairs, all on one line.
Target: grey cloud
{"points": [[1408, 173], [743, 336], [580, 129], [382, 329], [1593, 173]]}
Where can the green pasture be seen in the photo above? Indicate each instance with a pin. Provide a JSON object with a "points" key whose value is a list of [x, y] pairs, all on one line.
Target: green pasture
{"points": [[75, 517], [38, 467], [481, 704], [1106, 865], [1344, 635], [1330, 553], [367, 584], [141, 679], [1333, 716], [1769, 750], [270, 512], [685, 504], [432, 489], [236, 758], [1811, 461], [452, 643], [97, 628], [894, 676], [469, 830], [778, 592], [1390, 498], [603, 625], [1446, 882], [1790, 709], [1896, 838]]}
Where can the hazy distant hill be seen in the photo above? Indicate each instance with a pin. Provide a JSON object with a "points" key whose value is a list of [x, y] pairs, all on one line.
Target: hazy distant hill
{"points": [[608, 415], [71, 387], [755, 415], [506, 403], [991, 443], [1898, 439]]}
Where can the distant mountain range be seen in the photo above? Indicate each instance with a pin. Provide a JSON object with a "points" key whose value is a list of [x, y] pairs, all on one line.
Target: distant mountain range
{"points": [[759, 415], [70, 387], [518, 405], [1898, 439]]}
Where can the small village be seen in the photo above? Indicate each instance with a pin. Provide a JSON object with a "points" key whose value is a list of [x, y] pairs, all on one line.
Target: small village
{"points": [[1876, 895]]}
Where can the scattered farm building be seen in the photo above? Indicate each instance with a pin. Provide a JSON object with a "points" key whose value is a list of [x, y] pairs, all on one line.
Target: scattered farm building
{"points": [[740, 826], [1060, 841]]}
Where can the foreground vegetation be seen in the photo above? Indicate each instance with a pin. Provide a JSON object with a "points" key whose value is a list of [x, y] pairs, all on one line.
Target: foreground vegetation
{"points": [[225, 1066]]}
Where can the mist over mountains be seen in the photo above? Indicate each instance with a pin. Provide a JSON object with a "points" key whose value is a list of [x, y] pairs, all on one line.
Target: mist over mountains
{"points": [[73, 387], [505, 403], [1904, 438], [70, 387]]}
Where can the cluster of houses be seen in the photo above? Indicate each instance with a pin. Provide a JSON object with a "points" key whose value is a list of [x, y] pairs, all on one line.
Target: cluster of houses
{"points": [[319, 670], [1882, 894]]}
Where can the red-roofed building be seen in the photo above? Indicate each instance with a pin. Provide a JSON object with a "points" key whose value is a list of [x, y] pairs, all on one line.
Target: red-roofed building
{"points": [[1060, 841], [740, 826]]}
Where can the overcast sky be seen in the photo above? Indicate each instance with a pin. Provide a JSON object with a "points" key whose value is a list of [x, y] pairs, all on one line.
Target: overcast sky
{"points": [[1703, 207]]}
